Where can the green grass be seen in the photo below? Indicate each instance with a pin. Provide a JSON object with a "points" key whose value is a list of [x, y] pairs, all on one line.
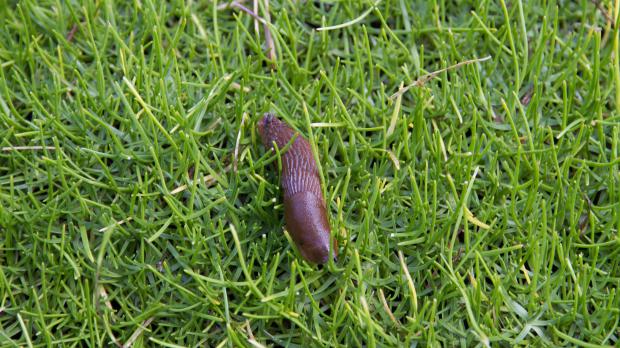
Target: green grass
{"points": [[481, 208]]}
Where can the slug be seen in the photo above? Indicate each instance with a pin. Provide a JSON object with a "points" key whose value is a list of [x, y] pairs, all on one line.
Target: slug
{"points": [[305, 213]]}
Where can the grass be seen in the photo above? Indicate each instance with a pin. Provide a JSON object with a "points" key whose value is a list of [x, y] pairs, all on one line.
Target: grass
{"points": [[479, 207]]}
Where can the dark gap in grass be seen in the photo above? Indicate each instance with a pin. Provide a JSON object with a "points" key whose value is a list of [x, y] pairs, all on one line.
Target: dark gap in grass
{"points": [[460, 236], [173, 21], [323, 8], [468, 133], [375, 24], [554, 268], [480, 196], [147, 44]]}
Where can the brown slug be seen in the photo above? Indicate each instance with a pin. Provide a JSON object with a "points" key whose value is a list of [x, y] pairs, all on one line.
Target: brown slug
{"points": [[305, 213]]}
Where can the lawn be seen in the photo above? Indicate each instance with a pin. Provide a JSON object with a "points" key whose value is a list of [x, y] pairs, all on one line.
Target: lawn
{"points": [[470, 155]]}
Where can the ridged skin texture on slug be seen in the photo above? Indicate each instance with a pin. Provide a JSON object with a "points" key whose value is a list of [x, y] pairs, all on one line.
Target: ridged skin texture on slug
{"points": [[304, 206]]}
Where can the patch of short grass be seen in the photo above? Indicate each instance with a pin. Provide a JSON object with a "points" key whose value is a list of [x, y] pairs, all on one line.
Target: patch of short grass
{"points": [[481, 207]]}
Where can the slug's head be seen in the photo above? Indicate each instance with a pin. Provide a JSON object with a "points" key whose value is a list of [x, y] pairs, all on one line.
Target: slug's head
{"points": [[266, 125], [271, 130]]}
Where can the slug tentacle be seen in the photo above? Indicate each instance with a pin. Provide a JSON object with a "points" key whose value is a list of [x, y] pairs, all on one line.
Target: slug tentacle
{"points": [[305, 212]]}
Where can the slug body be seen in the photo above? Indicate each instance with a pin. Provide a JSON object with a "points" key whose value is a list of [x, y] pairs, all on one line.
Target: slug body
{"points": [[304, 206]]}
